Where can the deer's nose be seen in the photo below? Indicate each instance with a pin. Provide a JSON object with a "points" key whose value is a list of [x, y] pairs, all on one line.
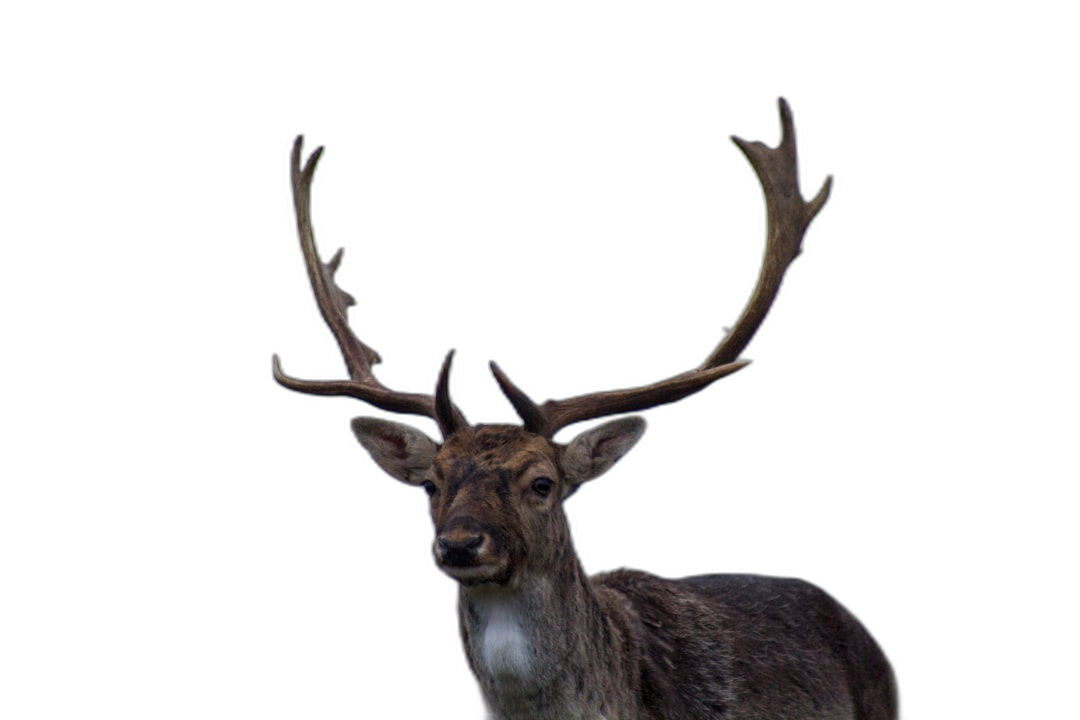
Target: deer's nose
{"points": [[459, 549]]}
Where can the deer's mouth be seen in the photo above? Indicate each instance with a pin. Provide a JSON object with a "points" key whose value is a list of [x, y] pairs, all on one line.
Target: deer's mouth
{"points": [[473, 574]]}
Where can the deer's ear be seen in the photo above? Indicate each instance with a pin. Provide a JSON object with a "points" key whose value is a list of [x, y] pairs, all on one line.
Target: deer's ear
{"points": [[403, 451], [591, 453]]}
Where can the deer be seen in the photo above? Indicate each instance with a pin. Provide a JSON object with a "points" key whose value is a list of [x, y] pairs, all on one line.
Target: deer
{"points": [[544, 640]]}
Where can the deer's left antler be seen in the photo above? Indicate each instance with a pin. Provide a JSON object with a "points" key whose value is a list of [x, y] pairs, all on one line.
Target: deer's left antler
{"points": [[788, 217]]}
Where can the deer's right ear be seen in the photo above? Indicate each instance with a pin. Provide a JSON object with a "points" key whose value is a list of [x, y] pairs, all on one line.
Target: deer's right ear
{"points": [[403, 451]]}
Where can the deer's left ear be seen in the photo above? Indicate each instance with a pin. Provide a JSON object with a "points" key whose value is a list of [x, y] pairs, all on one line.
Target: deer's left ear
{"points": [[591, 453]]}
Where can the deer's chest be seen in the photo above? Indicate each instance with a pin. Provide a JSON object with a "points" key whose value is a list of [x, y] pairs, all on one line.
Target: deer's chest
{"points": [[503, 646], [523, 664]]}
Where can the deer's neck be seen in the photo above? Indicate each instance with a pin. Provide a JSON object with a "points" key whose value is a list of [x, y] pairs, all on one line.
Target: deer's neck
{"points": [[550, 649]]}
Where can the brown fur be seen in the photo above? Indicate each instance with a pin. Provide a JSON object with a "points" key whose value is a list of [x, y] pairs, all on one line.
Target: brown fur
{"points": [[627, 645]]}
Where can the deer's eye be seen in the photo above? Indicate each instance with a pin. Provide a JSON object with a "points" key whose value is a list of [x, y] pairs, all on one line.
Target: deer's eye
{"points": [[429, 488], [542, 486]]}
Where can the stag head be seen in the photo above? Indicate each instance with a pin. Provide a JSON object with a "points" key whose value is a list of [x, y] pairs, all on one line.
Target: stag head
{"points": [[497, 490]]}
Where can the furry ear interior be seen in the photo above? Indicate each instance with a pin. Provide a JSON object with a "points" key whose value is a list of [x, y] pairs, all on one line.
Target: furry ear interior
{"points": [[594, 451], [403, 451]]}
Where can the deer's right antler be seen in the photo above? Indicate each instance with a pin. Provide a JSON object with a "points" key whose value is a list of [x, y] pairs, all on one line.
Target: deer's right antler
{"points": [[334, 304], [788, 217]]}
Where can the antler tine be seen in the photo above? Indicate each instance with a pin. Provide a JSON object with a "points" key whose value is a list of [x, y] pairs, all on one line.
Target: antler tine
{"points": [[788, 217], [333, 304], [446, 414]]}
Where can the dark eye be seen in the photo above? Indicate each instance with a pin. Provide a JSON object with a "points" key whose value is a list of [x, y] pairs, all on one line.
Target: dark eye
{"points": [[542, 486], [429, 488]]}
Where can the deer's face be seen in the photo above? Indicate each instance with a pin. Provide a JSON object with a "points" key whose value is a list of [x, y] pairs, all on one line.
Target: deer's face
{"points": [[496, 491], [496, 495]]}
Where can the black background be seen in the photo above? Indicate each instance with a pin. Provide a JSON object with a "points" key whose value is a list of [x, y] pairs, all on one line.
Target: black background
{"points": [[584, 235]]}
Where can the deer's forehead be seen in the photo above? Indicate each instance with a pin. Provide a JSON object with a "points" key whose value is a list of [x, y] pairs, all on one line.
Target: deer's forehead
{"points": [[492, 450]]}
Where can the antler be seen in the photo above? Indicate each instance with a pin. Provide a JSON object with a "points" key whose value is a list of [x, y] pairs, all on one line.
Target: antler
{"points": [[334, 304], [788, 217]]}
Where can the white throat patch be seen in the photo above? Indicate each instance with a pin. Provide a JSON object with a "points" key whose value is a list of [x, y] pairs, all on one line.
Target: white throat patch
{"points": [[503, 644]]}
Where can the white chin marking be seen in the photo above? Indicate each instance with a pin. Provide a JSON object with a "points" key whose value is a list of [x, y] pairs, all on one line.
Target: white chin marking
{"points": [[504, 647]]}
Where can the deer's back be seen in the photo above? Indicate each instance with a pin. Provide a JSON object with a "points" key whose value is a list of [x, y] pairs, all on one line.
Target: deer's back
{"points": [[747, 646]]}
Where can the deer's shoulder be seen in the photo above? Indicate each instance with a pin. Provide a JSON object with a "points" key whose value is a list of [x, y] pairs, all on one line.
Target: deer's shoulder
{"points": [[684, 660]]}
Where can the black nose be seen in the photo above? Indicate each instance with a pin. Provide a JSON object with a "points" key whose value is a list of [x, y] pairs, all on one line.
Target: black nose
{"points": [[459, 549]]}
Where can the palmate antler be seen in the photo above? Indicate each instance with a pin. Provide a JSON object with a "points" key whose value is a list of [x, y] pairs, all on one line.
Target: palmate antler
{"points": [[788, 217]]}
